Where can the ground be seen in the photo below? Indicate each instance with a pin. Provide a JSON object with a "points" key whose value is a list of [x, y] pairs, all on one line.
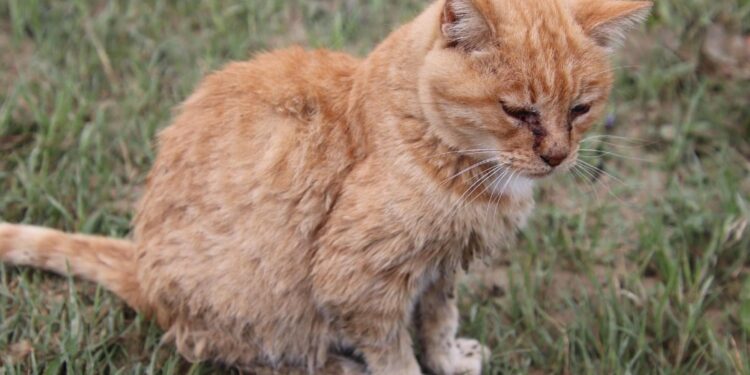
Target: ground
{"points": [[636, 264]]}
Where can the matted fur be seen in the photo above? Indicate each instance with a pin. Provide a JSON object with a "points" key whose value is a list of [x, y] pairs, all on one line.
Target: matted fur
{"points": [[307, 202]]}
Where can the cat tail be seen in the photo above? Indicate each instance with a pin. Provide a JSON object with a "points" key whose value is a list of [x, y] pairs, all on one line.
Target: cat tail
{"points": [[107, 261]]}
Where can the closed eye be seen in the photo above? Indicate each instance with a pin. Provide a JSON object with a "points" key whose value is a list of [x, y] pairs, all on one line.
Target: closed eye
{"points": [[580, 110], [525, 115]]}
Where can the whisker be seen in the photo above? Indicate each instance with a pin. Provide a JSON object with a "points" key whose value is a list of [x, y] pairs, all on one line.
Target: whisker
{"points": [[467, 152], [595, 174], [613, 144], [502, 191], [610, 153], [601, 171], [494, 190], [589, 184], [469, 169], [592, 179], [609, 188], [617, 137], [463, 152], [472, 186], [472, 197]]}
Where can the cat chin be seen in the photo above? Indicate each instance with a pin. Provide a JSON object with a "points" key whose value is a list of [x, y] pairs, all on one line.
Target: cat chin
{"points": [[517, 186]]}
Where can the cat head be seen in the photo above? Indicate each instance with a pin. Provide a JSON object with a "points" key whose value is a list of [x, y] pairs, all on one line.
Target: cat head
{"points": [[523, 80]]}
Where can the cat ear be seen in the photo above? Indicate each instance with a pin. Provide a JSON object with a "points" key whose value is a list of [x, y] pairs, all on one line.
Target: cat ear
{"points": [[607, 21], [463, 25]]}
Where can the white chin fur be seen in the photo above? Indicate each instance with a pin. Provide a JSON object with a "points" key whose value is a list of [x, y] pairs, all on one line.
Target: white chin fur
{"points": [[514, 185]]}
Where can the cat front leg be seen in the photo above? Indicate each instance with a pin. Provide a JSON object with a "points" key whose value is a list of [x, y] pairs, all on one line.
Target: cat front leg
{"points": [[437, 325], [380, 333], [396, 357], [377, 325], [370, 311]]}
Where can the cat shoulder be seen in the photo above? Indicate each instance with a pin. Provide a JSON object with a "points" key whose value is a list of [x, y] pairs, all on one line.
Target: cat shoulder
{"points": [[291, 80]]}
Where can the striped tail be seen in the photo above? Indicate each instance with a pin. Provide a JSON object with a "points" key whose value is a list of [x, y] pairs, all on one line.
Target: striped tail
{"points": [[109, 262]]}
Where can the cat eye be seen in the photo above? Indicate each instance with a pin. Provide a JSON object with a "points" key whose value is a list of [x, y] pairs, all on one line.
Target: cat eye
{"points": [[525, 115], [580, 110]]}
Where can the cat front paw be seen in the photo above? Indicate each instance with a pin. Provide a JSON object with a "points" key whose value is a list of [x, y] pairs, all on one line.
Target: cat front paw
{"points": [[458, 357], [468, 357]]}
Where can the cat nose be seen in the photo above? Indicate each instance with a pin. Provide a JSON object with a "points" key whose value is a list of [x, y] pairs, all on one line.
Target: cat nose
{"points": [[554, 159]]}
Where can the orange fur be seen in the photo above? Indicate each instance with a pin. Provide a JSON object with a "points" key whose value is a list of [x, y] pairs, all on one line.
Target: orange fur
{"points": [[304, 202], [107, 261]]}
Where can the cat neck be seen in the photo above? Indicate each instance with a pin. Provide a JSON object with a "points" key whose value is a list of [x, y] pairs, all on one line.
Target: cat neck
{"points": [[385, 103], [387, 81]]}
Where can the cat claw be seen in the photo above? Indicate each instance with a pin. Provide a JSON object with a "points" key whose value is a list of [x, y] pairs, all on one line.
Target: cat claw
{"points": [[469, 357]]}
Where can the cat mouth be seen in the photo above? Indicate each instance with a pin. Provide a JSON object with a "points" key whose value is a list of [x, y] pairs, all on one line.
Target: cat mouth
{"points": [[539, 175], [530, 173]]}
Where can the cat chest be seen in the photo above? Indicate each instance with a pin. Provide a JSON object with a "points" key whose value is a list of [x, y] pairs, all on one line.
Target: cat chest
{"points": [[460, 239]]}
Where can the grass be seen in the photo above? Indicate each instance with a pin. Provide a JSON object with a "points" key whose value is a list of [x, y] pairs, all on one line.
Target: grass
{"points": [[642, 269]]}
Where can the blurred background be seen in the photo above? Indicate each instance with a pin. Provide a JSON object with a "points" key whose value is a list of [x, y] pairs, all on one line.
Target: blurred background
{"points": [[640, 266]]}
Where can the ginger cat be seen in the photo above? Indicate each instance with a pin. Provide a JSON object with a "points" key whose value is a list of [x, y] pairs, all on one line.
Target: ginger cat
{"points": [[309, 204]]}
